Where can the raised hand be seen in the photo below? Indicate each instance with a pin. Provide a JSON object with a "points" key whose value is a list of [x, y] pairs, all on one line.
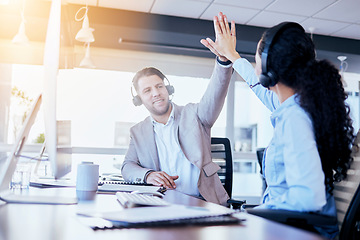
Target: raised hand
{"points": [[225, 43], [162, 179]]}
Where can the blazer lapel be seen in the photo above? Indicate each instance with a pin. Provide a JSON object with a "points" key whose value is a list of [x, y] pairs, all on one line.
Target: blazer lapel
{"points": [[177, 115], [150, 142]]}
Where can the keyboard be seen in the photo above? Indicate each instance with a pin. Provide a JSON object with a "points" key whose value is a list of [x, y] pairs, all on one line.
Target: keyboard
{"points": [[130, 200], [122, 182]]}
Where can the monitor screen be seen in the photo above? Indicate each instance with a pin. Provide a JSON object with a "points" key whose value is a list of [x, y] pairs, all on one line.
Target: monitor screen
{"points": [[9, 166]]}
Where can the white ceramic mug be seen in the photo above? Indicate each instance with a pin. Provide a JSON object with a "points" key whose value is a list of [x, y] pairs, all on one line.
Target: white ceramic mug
{"points": [[87, 177]]}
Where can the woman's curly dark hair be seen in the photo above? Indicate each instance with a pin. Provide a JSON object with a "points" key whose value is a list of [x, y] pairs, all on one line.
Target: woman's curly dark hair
{"points": [[321, 94]]}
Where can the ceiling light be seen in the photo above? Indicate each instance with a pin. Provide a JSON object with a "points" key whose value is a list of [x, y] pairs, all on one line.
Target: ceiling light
{"points": [[311, 29], [85, 34], [343, 68], [343, 63], [86, 62], [342, 58], [20, 37]]}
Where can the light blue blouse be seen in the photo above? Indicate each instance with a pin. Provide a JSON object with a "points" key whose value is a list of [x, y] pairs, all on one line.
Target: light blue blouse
{"points": [[291, 163]]}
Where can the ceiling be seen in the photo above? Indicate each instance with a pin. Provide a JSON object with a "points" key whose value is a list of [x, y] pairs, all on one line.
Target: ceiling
{"points": [[338, 18], [176, 26]]}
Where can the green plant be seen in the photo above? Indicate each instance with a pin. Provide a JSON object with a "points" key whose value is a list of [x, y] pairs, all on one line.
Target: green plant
{"points": [[24, 102], [40, 138]]}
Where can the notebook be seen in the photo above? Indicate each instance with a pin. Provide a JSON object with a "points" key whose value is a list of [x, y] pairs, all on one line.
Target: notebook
{"points": [[164, 216]]}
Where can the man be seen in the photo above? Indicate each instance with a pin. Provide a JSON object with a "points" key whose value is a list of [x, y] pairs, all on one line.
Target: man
{"points": [[172, 147]]}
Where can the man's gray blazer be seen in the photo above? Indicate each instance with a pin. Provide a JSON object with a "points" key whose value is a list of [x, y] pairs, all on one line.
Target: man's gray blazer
{"points": [[194, 124]]}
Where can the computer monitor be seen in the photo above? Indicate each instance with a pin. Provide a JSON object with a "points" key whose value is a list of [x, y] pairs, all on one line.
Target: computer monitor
{"points": [[9, 167], [59, 157]]}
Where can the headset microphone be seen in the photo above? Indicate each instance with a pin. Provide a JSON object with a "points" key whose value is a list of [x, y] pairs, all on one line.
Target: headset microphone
{"points": [[254, 85]]}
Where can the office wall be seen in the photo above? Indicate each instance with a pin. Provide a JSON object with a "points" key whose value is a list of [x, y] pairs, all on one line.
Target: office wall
{"points": [[132, 61]]}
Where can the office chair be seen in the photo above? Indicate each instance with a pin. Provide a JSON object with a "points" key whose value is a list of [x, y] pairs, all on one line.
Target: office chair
{"points": [[221, 154], [259, 156], [347, 198]]}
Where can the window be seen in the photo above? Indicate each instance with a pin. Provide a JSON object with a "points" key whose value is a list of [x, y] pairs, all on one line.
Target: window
{"points": [[94, 106], [99, 104]]}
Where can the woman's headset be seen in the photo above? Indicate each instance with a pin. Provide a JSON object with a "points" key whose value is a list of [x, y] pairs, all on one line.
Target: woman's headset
{"points": [[268, 78]]}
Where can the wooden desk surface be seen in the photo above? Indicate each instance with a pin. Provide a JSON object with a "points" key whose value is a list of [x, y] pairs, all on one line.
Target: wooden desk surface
{"points": [[60, 222]]}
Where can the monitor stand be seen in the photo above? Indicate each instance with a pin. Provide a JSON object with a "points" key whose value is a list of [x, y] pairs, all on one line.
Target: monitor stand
{"points": [[10, 197], [47, 181], [42, 150]]}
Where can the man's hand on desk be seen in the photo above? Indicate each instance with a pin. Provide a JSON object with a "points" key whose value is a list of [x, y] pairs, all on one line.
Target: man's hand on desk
{"points": [[162, 179]]}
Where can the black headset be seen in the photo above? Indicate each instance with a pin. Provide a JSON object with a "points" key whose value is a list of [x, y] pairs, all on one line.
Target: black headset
{"points": [[268, 78], [137, 100]]}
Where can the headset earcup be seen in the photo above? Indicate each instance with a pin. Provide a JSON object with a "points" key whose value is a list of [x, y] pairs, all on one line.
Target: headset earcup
{"points": [[273, 80], [264, 80], [137, 100], [170, 89], [268, 80]]}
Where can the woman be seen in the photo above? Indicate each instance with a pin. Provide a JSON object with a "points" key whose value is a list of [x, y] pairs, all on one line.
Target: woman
{"points": [[313, 131]]}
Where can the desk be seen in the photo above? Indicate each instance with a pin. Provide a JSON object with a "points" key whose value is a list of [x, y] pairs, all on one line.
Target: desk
{"points": [[50, 222]]}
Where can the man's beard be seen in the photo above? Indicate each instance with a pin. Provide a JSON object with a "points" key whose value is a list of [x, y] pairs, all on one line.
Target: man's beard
{"points": [[157, 112]]}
